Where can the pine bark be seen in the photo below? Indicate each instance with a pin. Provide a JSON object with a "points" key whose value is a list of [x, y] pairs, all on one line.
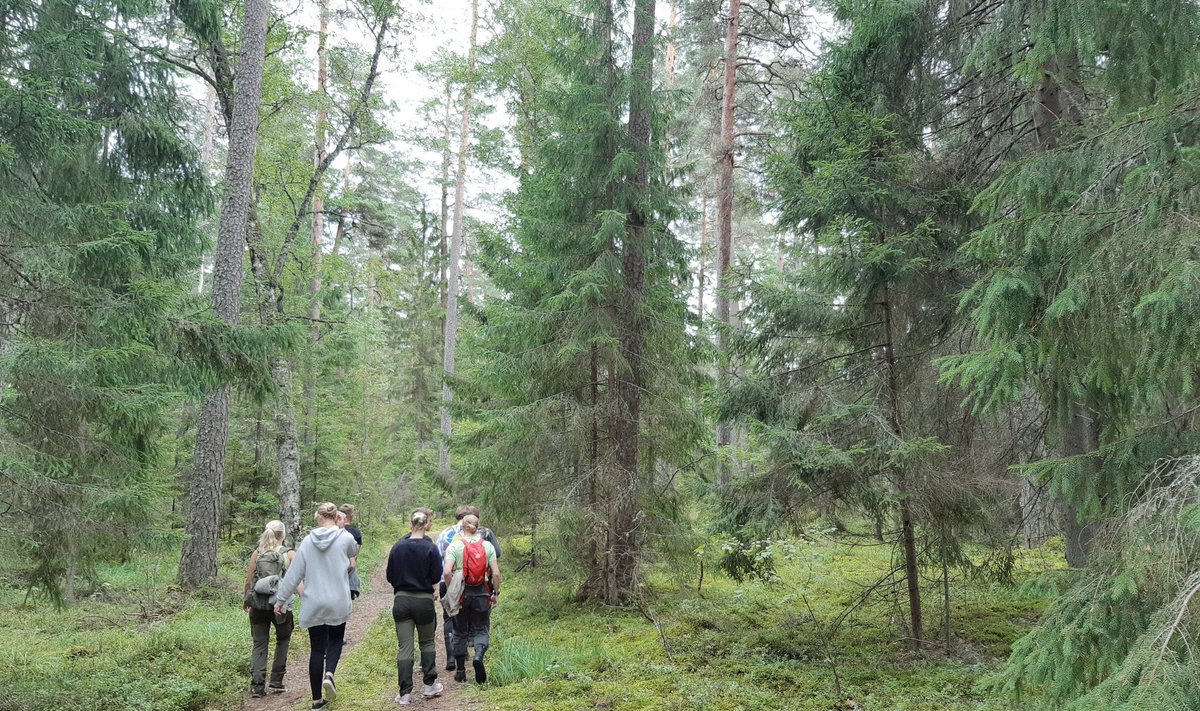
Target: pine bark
{"points": [[623, 495], [725, 186], [450, 339], [198, 562]]}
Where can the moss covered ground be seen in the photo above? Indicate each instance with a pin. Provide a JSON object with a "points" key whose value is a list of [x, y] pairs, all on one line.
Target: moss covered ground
{"points": [[140, 644]]}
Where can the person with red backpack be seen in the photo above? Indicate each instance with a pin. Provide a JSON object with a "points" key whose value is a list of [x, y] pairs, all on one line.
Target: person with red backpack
{"points": [[476, 559]]}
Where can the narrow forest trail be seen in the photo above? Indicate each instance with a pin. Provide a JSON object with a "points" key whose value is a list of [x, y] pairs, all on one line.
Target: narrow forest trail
{"points": [[373, 603]]}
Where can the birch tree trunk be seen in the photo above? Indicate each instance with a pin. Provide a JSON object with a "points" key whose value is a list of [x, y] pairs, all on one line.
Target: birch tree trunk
{"points": [[198, 562], [725, 222], [450, 338], [289, 455]]}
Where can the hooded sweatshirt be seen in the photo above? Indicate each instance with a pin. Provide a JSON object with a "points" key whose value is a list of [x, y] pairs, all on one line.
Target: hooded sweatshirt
{"points": [[322, 561]]}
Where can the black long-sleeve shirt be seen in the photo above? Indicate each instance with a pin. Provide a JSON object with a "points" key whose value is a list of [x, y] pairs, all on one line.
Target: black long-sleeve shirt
{"points": [[414, 565]]}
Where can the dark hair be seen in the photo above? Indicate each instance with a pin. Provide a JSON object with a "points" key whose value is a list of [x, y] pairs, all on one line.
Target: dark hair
{"points": [[462, 511], [347, 509]]}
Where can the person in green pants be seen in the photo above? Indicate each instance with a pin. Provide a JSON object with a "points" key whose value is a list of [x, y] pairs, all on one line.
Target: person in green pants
{"points": [[414, 569]]}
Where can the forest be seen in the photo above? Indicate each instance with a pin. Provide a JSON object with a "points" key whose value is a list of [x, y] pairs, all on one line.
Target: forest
{"points": [[802, 354]]}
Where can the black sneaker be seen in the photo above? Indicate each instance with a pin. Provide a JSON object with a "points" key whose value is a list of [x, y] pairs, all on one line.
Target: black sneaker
{"points": [[480, 672], [450, 666], [460, 675], [320, 704], [329, 688]]}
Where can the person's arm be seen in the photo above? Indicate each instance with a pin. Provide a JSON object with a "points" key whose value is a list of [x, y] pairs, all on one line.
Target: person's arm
{"points": [[448, 567], [393, 567], [291, 557], [435, 571], [495, 568], [249, 578], [290, 583]]}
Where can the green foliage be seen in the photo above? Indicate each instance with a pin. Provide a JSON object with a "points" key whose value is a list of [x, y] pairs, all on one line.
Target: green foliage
{"points": [[99, 199]]}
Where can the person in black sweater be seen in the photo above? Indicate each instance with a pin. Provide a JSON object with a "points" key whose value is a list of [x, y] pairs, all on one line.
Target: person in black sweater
{"points": [[414, 569]]}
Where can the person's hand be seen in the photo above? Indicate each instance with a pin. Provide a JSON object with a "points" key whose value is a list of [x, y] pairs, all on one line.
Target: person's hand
{"points": [[278, 610], [246, 608], [493, 599]]}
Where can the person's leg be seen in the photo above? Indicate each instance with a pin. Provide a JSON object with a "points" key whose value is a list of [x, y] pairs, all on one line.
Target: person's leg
{"points": [[318, 639], [402, 615], [481, 626], [425, 618], [333, 650], [284, 626], [458, 643], [447, 631], [260, 632]]}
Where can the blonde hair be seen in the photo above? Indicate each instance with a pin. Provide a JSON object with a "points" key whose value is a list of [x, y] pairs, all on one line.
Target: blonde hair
{"points": [[420, 517], [272, 537], [470, 523], [327, 511]]}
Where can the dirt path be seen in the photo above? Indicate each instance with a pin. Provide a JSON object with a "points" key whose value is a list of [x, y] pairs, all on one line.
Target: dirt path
{"points": [[375, 601]]}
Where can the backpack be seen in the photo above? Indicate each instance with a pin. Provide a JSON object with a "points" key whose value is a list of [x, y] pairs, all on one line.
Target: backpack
{"points": [[267, 572], [475, 563]]}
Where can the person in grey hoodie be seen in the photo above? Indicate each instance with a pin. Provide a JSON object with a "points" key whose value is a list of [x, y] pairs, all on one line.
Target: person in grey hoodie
{"points": [[322, 563]]}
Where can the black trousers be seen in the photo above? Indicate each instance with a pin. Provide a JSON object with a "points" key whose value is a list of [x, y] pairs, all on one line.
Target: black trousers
{"points": [[326, 642]]}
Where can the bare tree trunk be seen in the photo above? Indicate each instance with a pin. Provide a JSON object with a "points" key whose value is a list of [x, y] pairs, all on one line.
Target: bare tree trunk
{"points": [[623, 494], [289, 456], [445, 242], [450, 339], [703, 246], [285, 445], [198, 562], [206, 151], [725, 187]]}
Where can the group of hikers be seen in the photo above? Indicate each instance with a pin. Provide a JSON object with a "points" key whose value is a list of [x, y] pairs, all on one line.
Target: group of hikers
{"points": [[459, 569]]}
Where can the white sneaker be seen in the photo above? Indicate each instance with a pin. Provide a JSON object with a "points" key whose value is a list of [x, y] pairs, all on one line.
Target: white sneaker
{"points": [[432, 691], [404, 699]]}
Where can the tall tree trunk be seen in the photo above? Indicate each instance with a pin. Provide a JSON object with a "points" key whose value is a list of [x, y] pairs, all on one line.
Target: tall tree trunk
{"points": [[445, 215], [287, 451], [623, 494], [701, 258], [907, 527], [289, 456], [1052, 103], [206, 151], [198, 562], [450, 339], [725, 187]]}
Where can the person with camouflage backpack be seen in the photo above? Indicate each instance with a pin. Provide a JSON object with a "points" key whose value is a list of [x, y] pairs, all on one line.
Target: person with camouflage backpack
{"points": [[268, 564]]}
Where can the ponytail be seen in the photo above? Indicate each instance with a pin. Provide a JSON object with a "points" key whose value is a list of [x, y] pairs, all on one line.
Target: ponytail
{"points": [[272, 537]]}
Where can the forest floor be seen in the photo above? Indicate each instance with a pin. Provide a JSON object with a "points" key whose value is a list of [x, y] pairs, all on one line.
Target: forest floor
{"points": [[136, 643]]}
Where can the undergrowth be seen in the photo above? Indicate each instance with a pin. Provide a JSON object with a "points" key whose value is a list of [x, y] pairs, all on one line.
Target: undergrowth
{"points": [[136, 642]]}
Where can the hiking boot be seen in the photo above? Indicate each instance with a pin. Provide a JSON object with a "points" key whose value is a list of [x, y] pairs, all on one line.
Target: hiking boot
{"points": [[461, 666], [276, 688], [404, 699], [480, 672], [257, 692], [450, 665], [328, 687], [433, 690]]}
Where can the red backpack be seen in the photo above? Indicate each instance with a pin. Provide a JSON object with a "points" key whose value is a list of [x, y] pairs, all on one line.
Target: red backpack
{"points": [[475, 563]]}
